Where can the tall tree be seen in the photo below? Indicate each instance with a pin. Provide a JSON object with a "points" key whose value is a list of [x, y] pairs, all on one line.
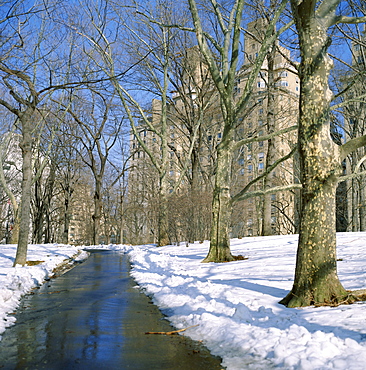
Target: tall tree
{"points": [[316, 280], [97, 129], [30, 73], [223, 63]]}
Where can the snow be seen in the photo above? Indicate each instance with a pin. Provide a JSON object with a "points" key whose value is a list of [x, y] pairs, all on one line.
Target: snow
{"points": [[17, 281], [231, 307]]}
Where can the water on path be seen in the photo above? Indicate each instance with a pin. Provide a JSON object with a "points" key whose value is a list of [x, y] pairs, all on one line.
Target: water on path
{"points": [[93, 317]]}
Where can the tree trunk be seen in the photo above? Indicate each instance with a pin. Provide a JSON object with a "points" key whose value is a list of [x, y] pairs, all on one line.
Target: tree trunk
{"points": [[193, 231], [97, 210], [25, 206], [66, 217], [221, 205], [316, 280], [271, 149], [15, 230], [38, 211], [163, 223]]}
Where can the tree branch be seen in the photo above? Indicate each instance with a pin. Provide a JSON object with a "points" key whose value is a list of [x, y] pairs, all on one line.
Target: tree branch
{"points": [[351, 146], [242, 194], [264, 138]]}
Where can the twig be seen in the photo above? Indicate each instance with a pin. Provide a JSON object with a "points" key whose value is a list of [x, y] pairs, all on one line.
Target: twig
{"points": [[170, 332]]}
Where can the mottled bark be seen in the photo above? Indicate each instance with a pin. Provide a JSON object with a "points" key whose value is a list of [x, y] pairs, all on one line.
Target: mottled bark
{"points": [[316, 280]]}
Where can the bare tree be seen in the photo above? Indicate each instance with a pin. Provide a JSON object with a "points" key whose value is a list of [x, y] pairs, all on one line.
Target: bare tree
{"points": [[97, 130], [223, 68], [316, 280], [29, 76]]}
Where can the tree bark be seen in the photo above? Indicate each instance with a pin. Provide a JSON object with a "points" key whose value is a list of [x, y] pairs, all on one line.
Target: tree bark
{"points": [[271, 149], [221, 205], [163, 223], [25, 206], [316, 280], [97, 215]]}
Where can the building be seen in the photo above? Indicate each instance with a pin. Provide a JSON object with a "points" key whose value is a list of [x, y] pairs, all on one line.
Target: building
{"points": [[277, 83]]}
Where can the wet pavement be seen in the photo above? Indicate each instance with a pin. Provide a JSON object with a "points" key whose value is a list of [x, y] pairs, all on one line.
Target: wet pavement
{"points": [[93, 317]]}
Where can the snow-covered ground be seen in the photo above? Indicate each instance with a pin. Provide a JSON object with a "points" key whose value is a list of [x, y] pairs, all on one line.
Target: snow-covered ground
{"points": [[18, 281], [233, 307]]}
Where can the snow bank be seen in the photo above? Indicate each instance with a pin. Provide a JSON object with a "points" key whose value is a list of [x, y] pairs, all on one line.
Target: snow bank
{"points": [[20, 280], [235, 305]]}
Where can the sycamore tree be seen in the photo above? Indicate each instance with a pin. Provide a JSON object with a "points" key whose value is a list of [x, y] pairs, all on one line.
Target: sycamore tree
{"points": [[316, 280], [222, 55]]}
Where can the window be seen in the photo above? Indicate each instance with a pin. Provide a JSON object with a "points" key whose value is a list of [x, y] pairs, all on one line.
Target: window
{"points": [[260, 122], [284, 83], [241, 172], [250, 222], [261, 111], [241, 161], [154, 139], [171, 173], [260, 166], [261, 155], [249, 157], [273, 197], [209, 137], [260, 144], [250, 168], [250, 125], [219, 135]]}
